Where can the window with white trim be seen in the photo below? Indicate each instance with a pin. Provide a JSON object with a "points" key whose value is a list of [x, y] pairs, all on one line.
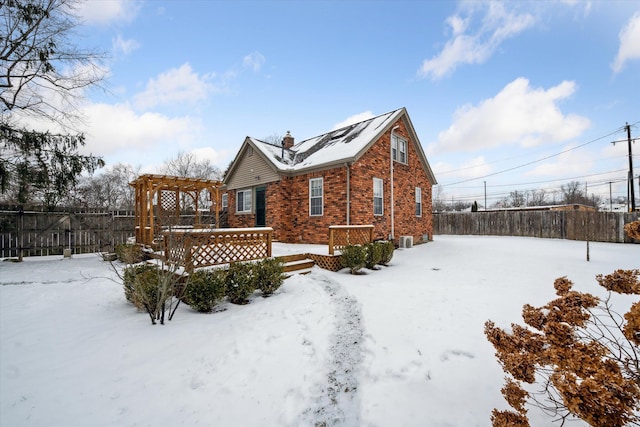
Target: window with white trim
{"points": [[243, 200], [315, 196], [418, 201], [399, 149], [377, 196], [225, 201]]}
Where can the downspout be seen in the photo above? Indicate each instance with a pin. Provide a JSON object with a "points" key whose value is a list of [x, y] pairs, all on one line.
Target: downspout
{"points": [[346, 165], [391, 180]]}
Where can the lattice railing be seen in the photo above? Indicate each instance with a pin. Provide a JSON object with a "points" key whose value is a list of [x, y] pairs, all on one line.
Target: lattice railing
{"points": [[200, 248], [345, 235]]}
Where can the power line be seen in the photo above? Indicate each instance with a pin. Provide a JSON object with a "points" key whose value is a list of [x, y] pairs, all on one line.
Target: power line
{"points": [[534, 161], [546, 181]]}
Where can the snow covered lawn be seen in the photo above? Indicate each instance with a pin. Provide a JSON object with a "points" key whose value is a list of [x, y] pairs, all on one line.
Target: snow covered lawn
{"points": [[402, 346]]}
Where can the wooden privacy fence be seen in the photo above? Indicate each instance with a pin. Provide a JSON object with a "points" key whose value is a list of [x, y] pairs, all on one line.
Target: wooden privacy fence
{"points": [[36, 233], [572, 225], [345, 235], [193, 248]]}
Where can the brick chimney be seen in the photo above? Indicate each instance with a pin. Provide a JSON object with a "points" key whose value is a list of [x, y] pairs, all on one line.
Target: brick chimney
{"points": [[287, 141]]}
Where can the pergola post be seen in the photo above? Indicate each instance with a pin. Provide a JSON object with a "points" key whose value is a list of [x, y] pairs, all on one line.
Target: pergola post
{"points": [[149, 186]]}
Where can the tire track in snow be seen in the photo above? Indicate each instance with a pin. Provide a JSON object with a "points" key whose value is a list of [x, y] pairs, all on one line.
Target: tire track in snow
{"points": [[338, 403]]}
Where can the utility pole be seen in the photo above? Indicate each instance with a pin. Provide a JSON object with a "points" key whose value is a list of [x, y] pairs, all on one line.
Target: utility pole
{"points": [[631, 189], [610, 200], [631, 195], [485, 195]]}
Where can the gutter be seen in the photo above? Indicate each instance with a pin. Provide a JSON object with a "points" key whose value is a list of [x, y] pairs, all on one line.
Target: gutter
{"points": [[347, 166], [391, 180]]}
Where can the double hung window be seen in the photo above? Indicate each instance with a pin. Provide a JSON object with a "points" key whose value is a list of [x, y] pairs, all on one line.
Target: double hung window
{"points": [[315, 196], [399, 149], [377, 196]]}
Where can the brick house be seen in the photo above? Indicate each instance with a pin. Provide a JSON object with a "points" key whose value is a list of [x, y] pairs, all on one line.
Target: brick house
{"points": [[343, 177]]}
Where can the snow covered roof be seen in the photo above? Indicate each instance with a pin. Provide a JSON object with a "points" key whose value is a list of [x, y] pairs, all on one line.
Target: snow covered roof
{"points": [[333, 148], [337, 146]]}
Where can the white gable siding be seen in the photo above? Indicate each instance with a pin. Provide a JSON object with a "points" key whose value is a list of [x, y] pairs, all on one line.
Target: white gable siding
{"points": [[251, 170]]}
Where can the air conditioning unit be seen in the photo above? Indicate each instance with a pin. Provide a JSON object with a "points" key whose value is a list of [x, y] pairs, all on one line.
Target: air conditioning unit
{"points": [[406, 242]]}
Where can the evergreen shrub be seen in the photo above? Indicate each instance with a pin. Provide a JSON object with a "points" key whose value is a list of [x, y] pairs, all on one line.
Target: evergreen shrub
{"points": [[141, 283], [354, 257], [374, 255], [269, 275], [240, 281], [387, 251], [204, 289]]}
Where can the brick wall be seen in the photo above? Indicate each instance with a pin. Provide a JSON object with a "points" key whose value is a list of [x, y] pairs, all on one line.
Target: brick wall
{"points": [[288, 199], [375, 164]]}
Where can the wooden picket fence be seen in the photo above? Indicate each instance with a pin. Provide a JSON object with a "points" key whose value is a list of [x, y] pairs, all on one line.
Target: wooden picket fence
{"points": [[36, 233], [572, 225]]}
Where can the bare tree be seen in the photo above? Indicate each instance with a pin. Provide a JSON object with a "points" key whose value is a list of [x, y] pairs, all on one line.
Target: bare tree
{"points": [[538, 198], [274, 139], [42, 74], [516, 199], [439, 204], [188, 165], [109, 190], [573, 192]]}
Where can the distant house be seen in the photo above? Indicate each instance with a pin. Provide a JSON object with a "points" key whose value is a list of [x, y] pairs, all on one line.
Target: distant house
{"points": [[372, 172]]}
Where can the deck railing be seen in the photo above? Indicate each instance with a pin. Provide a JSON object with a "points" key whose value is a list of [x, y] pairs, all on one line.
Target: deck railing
{"points": [[345, 235], [193, 248]]}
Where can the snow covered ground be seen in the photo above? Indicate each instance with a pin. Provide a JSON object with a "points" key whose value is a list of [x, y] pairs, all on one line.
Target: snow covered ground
{"points": [[402, 346]]}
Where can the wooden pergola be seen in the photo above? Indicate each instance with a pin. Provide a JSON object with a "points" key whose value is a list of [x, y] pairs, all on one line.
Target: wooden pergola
{"points": [[160, 202]]}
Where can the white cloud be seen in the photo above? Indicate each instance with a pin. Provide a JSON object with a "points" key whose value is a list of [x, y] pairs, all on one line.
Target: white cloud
{"points": [[216, 157], [120, 45], [475, 45], [115, 128], [470, 168], [254, 60], [629, 43], [519, 114], [356, 118], [105, 11], [571, 163], [176, 86]]}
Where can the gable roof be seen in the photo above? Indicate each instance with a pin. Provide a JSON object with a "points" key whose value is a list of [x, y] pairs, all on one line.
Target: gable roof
{"points": [[344, 145]]}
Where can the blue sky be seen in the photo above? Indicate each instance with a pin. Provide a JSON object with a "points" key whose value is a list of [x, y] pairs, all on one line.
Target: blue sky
{"points": [[489, 86]]}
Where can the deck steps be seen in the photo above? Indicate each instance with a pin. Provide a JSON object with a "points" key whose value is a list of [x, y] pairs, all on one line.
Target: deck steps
{"points": [[297, 264]]}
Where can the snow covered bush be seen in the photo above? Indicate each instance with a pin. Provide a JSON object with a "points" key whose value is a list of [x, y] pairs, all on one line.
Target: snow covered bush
{"points": [[152, 288], [583, 355], [387, 251], [204, 289], [129, 254], [269, 275], [240, 280], [139, 280], [354, 257], [373, 255]]}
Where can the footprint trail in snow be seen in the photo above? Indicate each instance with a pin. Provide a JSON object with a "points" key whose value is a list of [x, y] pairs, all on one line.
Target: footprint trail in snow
{"points": [[337, 402]]}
